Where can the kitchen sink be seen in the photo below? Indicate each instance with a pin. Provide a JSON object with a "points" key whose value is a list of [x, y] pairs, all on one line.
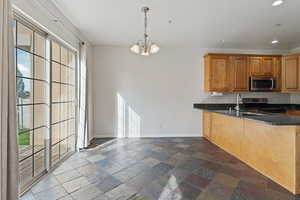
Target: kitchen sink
{"points": [[252, 114]]}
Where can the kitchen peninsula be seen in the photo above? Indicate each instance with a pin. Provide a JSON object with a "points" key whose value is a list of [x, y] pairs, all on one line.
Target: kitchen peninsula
{"points": [[268, 142]]}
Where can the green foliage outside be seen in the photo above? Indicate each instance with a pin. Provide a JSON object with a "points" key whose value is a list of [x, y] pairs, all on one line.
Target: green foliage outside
{"points": [[24, 136]]}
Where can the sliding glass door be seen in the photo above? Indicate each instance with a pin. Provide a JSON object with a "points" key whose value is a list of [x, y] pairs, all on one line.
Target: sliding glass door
{"points": [[32, 101], [63, 64], [45, 101]]}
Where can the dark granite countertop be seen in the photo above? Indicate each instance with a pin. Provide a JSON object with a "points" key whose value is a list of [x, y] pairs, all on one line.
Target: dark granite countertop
{"points": [[225, 106], [276, 119]]}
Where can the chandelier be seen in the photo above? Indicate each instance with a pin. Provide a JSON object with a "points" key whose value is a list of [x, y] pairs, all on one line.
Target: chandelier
{"points": [[145, 47]]}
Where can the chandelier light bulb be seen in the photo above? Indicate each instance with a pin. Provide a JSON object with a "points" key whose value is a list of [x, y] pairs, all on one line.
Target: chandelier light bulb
{"points": [[135, 49], [154, 49]]}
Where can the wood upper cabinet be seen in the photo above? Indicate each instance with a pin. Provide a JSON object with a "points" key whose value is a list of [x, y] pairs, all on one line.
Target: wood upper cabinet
{"points": [[261, 66], [239, 74], [290, 73], [255, 66], [277, 72], [216, 73], [267, 67], [231, 72]]}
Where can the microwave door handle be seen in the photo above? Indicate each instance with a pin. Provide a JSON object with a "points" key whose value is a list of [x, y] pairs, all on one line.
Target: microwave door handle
{"points": [[272, 87]]}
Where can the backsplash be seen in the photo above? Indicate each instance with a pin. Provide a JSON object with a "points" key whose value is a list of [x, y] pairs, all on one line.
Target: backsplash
{"points": [[295, 98], [231, 97]]}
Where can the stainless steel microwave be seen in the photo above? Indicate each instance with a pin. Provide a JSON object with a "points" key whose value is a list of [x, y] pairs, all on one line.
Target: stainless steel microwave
{"points": [[262, 83]]}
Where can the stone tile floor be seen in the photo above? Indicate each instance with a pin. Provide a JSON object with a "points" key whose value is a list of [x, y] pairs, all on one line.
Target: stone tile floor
{"points": [[156, 169]]}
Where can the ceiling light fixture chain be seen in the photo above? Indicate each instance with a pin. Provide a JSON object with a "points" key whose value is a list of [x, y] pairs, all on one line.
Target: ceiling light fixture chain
{"points": [[146, 47]]}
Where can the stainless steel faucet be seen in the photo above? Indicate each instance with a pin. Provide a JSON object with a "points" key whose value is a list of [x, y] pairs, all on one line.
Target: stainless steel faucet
{"points": [[238, 98]]}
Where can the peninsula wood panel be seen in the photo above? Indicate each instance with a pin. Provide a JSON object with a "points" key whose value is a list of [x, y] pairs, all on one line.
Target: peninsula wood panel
{"points": [[297, 158], [206, 124], [272, 150], [228, 134]]}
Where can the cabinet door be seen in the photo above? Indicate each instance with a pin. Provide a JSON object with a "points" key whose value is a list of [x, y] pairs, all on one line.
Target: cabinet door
{"points": [[277, 72], [290, 73], [240, 73], [219, 73], [255, 65], [267, 66]]}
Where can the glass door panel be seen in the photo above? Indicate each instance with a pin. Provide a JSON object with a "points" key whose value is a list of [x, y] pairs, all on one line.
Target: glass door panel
{"points": [[63, 101], [32, 88]]}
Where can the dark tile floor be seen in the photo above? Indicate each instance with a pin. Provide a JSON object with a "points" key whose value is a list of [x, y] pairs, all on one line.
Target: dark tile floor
{"points": [[156, 169]]}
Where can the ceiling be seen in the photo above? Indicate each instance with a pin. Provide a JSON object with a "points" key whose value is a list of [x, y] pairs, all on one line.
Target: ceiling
{"points": [[241, 24]]}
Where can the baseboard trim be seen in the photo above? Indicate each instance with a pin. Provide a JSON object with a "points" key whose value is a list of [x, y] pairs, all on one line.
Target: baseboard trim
{"points": [[166, 135]]}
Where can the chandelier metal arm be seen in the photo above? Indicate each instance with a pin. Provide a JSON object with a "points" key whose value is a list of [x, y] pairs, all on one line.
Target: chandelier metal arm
{"points": [[146, 47]]}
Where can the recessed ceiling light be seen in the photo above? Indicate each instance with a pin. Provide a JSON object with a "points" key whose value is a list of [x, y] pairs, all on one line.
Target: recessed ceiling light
{"points": [[277, 3], [275, 41]]}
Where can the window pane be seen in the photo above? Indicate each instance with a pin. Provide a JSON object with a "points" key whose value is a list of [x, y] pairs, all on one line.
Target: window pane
{"points": [[14, 31], [55, 72], [24, 91], [55, 113], [55, 154], [25, 117], [64, 92], [39, 162], [56, 92], [40, 92], [71, 61], [39, 138], [55, 52], [63, 148], [40, 115], [25, 175], [55, 133], [64, 130], [71, 110], [24, 38], [71, 93], [24, 64], [72, 77], [71, 127], [25, 143], [64, 111], [40, 71], [40, 45], [71, 143], [64, 56], [64, 74]]}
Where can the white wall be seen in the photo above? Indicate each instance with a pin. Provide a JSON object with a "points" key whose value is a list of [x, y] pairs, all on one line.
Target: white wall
{"points": [[161, 89]]}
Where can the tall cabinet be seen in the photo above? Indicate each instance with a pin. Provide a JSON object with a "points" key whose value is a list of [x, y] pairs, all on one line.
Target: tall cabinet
{"points": [[217, 73], [290, 73], [238, 74]]}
